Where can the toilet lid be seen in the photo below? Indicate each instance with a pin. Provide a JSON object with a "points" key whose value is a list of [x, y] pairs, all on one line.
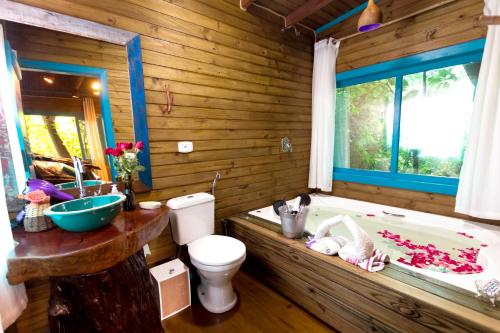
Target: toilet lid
{"points": [[215, 250]]}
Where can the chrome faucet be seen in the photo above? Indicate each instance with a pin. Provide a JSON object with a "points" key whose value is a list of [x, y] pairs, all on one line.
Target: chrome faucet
{"points": [[79, 171]]}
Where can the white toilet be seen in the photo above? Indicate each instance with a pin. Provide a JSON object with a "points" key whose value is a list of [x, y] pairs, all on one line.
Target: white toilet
{"points": [[217, 258]]}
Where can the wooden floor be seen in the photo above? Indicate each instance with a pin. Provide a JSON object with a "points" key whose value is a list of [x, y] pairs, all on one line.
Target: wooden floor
{"points": [[259, 309]]}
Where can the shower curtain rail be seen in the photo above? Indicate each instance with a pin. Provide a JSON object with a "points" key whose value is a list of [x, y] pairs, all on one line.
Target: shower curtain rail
{"points": [[399, 19]]}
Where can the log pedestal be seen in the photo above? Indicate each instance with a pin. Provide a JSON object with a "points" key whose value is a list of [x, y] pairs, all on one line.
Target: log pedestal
{"points": [[99, 280]]}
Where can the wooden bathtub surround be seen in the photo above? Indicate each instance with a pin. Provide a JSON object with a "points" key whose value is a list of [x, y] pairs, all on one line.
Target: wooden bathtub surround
{"points": [[99, 279], [350, 299]]}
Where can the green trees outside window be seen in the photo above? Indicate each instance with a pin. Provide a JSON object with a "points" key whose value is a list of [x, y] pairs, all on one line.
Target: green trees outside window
{"points": [[434, 111]]}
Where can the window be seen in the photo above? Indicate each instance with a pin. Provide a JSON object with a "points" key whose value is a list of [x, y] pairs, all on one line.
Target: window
{"points": [[404, 123], [46, 133]]}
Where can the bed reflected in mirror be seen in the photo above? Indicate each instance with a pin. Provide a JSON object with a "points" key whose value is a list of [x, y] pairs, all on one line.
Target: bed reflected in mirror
{"points": [[73, 90], [63, 120]]}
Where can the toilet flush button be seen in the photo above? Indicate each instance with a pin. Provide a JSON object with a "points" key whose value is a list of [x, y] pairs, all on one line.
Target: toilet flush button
{"points": [[185, 147]]}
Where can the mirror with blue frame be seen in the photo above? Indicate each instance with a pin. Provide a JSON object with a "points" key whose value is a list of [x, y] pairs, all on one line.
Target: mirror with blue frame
{"points": [[73, 98]]}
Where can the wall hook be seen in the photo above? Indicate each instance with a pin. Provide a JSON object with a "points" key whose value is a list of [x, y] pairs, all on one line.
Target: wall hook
{"points": [[170, 100]]}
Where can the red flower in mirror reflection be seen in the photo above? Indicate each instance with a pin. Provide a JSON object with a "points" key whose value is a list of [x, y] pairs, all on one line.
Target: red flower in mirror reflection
{"points": [[429, 256], [125, 145], [139, 145]]}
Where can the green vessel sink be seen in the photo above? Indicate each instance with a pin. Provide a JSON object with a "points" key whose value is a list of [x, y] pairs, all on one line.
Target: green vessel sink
{"points": [[64, 186], [85, 214]]}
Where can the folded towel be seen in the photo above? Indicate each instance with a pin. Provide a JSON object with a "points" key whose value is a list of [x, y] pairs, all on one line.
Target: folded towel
{"points": [[326, 245], [372, 264], [360, 251]]}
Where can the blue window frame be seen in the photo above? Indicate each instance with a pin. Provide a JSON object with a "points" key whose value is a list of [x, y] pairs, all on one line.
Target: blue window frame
{"points": [[396, 70]]}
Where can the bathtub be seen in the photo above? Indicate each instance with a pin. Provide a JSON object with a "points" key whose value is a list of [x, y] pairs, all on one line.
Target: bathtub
{"points": [[382, 223]]}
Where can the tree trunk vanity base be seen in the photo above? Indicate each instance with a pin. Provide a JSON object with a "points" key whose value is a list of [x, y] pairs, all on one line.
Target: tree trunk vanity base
{"points": [[99, 279], [119, 299]]}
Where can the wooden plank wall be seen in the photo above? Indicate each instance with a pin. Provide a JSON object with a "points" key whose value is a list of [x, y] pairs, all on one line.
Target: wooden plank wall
{"points": [[445, 26], [41, 44], [239, 85], [54, 104]]}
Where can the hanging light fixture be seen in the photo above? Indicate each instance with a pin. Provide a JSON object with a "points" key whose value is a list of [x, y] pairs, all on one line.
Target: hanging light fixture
{"points": [[371, 18]]}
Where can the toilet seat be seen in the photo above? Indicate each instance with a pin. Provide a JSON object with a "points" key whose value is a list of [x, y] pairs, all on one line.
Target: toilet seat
{"points": [[216, 251]]}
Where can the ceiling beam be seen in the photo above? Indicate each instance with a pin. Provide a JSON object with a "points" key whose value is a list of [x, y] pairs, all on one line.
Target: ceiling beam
{"points": [[304, 11], [244, 4]]}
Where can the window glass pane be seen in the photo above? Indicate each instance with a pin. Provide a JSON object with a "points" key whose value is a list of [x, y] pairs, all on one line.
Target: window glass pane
{"points": [[435, 113], [364, 122], [53, 135]]}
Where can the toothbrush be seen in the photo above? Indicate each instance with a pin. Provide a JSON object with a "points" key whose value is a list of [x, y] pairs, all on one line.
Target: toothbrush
{"points": [[305, 200], [296, 204]]}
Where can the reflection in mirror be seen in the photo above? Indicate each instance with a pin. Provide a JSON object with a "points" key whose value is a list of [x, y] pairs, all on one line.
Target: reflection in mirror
{"points": [[71, 96], [63, 119]]}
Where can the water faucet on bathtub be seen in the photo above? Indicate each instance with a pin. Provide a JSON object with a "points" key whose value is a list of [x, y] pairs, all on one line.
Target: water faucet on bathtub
{"points": [[393, 214]]}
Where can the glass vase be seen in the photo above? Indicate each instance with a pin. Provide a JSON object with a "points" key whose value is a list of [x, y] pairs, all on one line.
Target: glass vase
{"points": [[129, 203]]}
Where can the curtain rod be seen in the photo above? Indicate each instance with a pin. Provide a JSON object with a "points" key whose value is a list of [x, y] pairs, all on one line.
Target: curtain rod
{"points": [[399, 19], [284, 18]]}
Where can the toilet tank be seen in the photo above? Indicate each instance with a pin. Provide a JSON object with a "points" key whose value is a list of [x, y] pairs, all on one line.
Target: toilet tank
{"points": [[191, 217]]}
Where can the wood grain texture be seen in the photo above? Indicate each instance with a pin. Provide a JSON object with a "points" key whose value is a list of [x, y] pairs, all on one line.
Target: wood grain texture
{"points": [[54, 104], [40, 44], [57, 252], [346, 297], [236, 80], [98, 302], [231, 75], [259, 309], [448, 25], [325, 11], [444, 26], [307, 9]]}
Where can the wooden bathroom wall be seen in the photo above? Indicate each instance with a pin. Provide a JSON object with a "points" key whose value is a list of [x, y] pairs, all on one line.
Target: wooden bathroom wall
{"points": [[58, 104], [41, 44], [239, 85], [445, 26]]}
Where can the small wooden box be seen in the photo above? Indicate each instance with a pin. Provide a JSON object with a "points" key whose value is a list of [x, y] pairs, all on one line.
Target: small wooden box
{"points": [[174, 290]]}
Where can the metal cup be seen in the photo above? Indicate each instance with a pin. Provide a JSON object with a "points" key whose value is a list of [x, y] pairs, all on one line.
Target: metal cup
{"points": [[292, 225]]}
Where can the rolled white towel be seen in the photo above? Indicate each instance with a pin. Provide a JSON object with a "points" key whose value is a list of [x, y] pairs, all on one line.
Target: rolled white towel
{"points": [[374, 263], [327, 245]]}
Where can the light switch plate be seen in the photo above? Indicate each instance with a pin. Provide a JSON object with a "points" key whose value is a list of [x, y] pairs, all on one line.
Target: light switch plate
{"points": [[185, 147]]}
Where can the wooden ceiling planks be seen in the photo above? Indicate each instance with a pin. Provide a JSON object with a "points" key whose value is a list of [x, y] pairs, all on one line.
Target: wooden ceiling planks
{"points": [[312, 13]]}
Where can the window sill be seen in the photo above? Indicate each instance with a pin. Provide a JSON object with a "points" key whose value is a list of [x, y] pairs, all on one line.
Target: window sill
{"points": [[431, 184]]}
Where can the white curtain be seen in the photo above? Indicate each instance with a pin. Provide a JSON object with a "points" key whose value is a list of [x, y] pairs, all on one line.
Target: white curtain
{"points": [[323, 114], [479, 188], [13, 299], [94, 139]]}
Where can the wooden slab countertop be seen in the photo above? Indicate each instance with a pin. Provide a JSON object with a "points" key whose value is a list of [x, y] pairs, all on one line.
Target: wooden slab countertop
{"points": [[57, 252]]}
